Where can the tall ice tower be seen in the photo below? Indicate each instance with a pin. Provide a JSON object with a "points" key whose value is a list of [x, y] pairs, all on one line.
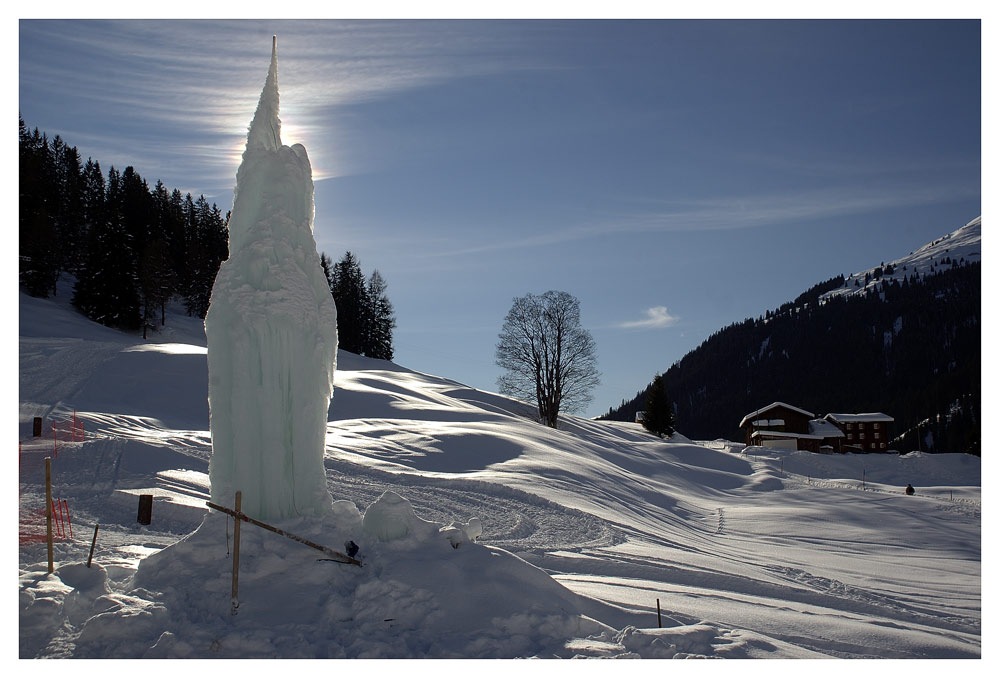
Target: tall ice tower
{"points": [[272, 333]]}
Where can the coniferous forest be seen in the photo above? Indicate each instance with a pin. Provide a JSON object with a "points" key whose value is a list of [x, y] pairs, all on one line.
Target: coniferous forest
{"points": [[130, 248], [910, 349], [365, 319]]}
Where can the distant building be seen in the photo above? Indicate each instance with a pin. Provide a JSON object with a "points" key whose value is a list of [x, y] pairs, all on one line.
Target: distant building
{"points": [[640, 417], [863, 432], [784, 426]]}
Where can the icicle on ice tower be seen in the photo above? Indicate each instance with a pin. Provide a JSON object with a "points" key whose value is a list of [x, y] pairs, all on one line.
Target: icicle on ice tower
{"points": [[272, 333]]}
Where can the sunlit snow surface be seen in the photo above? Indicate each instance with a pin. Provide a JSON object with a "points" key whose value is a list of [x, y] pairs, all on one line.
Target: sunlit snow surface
{"points": [[765, 554], [272, 334]]}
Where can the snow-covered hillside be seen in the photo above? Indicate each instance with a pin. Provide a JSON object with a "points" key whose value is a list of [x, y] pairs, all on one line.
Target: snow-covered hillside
{"points": [[963, 246], [749, 553]]}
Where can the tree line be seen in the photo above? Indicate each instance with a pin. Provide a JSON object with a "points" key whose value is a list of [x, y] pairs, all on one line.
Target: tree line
{"points": [[910, 348], [129, 247], [365, 319]]}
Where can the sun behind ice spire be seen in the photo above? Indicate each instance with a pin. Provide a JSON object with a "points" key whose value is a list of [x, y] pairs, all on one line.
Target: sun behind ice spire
{"points": [[272, 333]]}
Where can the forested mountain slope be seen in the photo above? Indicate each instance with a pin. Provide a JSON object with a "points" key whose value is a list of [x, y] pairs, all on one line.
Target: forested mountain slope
{"points": [[903, 339]]}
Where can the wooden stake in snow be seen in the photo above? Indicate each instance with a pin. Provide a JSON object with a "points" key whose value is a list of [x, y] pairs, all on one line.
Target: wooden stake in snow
{"points": [[93, 543], [336, 556], [48, 508], [659, 621], [236, 555], [145, 514]]}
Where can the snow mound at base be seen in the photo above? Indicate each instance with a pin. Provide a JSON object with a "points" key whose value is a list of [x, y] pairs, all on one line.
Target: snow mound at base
{"points": [[425, 590]]}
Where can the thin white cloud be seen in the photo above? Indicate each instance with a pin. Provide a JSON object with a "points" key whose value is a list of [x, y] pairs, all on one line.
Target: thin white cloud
{"points": [[204, 76], [726, 213], [655, 317]]}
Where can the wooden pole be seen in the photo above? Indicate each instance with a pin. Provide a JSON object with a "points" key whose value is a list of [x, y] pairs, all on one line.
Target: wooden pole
{"points": [[48, 508], [236, 557], [335, 555], [93, 543], [659, 620]]}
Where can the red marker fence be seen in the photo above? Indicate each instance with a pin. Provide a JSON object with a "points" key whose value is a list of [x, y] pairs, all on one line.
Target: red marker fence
{"points": [[67, 431], [32, 523]]}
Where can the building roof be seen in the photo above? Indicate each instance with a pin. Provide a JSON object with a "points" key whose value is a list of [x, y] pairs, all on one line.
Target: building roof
{"points": [[867, 416], [822, 427], [753, 415]]}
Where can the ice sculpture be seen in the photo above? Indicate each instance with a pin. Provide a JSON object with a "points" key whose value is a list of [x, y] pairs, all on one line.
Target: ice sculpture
{"points": [[272, 333]]}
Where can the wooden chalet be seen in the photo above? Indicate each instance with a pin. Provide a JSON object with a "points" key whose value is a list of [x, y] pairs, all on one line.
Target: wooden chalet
{"points": [[784, 426]]}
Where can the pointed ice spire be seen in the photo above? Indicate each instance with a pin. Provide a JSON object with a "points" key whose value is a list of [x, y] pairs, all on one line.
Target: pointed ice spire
{"points": [[265, 129]]}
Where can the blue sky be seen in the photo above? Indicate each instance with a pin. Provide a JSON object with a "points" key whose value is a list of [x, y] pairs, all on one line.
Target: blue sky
{"points": [[675, 176]]}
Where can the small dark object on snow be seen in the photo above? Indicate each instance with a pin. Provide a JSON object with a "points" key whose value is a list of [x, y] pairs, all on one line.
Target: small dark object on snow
{"points": [[910, 490], [145, 516], [351, 548]]}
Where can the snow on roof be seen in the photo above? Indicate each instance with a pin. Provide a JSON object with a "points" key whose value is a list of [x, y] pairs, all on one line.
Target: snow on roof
{"points": [[863, 417], [821, 427], [771, 407], [766, 435]]}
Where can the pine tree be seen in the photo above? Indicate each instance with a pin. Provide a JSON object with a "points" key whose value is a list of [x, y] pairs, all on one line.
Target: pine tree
{"points": [[156, 282], [381, 319], [659, 415], [350, 295], [38, 203], [207, 246], [326, 263], [107, 290]]}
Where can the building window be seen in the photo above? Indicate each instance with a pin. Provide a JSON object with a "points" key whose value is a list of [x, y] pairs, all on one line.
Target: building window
{"points": [[876, 435], [862, 435], [876, 425], [850, 426], [883, 446], [850, 436]]}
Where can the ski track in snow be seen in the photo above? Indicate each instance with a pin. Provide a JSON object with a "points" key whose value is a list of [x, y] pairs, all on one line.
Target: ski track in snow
{"points": [[572, 545], [513, 520]]}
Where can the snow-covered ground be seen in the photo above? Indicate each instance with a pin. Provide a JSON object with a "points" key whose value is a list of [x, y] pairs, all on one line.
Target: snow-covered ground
{"points": [[754, 553]]}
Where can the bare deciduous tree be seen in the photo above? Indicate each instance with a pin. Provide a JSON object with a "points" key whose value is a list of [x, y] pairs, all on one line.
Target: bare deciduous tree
{"points": [[548, 357]]}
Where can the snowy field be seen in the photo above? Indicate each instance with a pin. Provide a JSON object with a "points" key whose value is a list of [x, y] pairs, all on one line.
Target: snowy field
{"points": [[754, 553]]}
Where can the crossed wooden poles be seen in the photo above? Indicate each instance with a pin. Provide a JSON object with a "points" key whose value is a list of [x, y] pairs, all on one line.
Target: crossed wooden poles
{"points": [[235, 512]]}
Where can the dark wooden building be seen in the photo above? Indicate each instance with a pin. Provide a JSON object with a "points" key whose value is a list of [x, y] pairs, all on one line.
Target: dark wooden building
{"points": [[780, 425], [784, 426], [867, 432]]}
